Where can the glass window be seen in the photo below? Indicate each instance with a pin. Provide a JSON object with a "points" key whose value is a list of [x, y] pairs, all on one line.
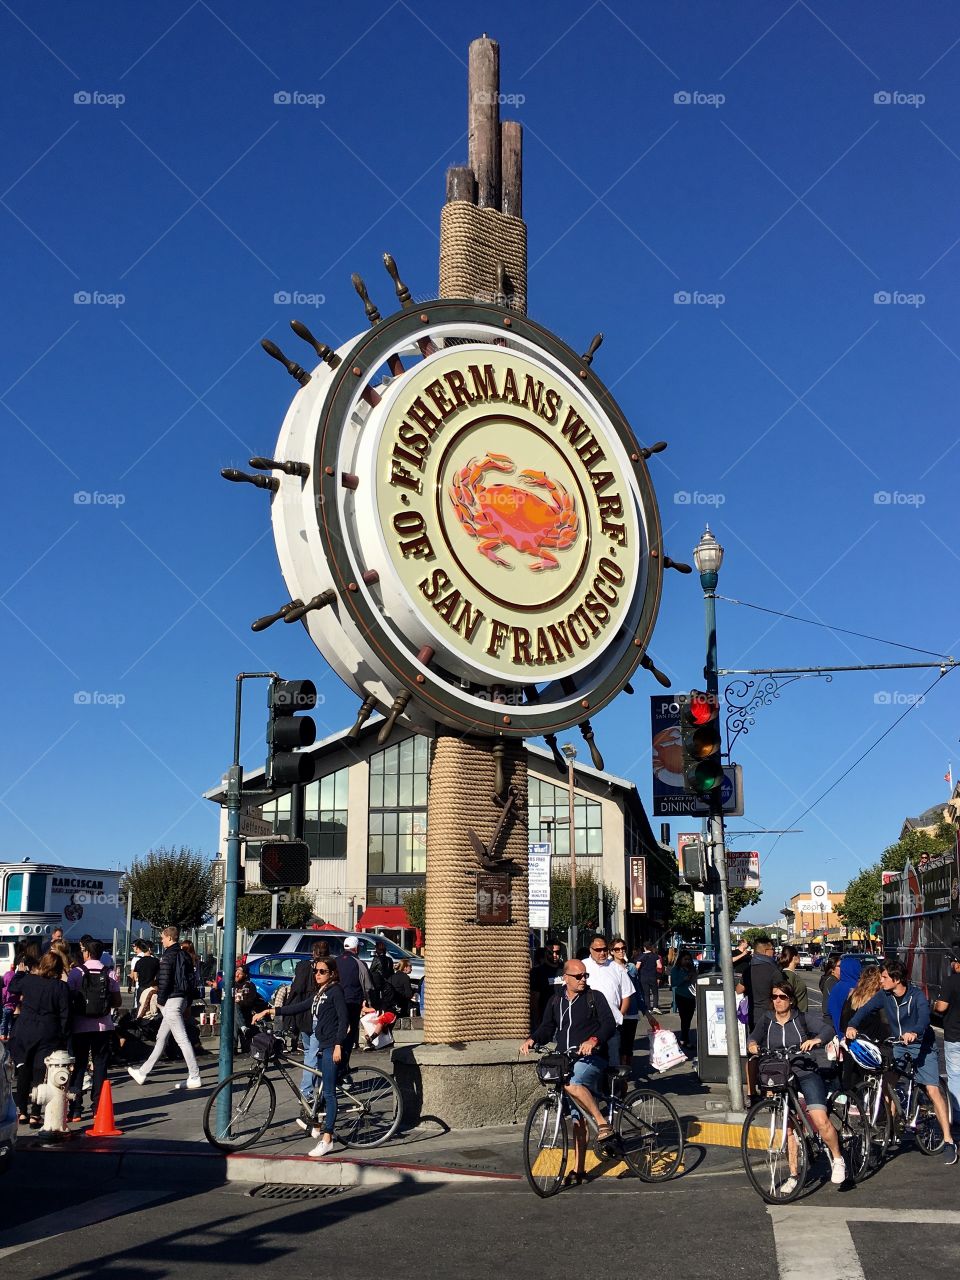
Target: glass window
{"points": [[13, 898], [324, 815], [37, 893], [398, 819], [549, 808]]}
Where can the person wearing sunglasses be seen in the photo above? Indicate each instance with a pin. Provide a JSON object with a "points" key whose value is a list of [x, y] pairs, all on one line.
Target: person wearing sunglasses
{"points": [[614, 983], [785, 1027], [580, 1022], [304, 987], [331, 1026]]}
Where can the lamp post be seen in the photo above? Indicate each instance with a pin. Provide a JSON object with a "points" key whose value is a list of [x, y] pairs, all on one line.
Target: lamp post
{"points": [[708, 557], [570, 751]]}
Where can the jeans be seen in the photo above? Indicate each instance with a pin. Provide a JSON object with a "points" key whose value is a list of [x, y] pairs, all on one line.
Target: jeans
{"points": [[652, 994], [329, 1082], [951, 1053], [172, 1024], [308, 1082], [96, 1045], [6, 1022]]}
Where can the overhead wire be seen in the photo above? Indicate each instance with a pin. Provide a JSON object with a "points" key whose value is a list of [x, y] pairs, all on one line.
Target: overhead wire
{"points": [[813, 622]]}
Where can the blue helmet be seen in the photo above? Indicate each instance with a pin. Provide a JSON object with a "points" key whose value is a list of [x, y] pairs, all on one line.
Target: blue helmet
{"points": [[865, 1054]]}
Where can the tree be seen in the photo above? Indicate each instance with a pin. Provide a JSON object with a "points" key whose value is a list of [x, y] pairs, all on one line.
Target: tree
{"points": [[683, 918], [739, 899], [414, 902], [587, 903], [171, 886], [254, 909], [863, 897]]}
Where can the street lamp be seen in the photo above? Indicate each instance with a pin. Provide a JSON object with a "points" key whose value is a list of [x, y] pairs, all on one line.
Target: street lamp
{"points": [[708, 557], [570, 751]]}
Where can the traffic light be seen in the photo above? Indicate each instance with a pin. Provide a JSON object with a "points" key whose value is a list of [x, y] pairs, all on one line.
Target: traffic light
{"points": [[287, 729], [284, 864], [692, 863], [700, 742]]}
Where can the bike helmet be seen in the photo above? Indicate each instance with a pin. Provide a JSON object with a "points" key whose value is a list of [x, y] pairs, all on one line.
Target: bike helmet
{"points": [[866, 1054]]}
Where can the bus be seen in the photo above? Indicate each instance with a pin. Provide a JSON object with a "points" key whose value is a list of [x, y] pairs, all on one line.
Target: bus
{"points": [[921, 918]]}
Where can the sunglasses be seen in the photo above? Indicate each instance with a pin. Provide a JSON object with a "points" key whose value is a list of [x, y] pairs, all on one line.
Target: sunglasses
{"points": [[619, 948], [317, 969], [599, 949], [787, 998], [577, 977]]}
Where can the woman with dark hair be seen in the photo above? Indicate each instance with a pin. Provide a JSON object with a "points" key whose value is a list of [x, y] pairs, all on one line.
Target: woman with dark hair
{"points": [[785, 1027], [828, 975], [683, 983], [40, 1027], [330, 1029]]}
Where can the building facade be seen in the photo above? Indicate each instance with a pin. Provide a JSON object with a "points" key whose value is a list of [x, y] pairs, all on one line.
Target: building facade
{"points": [[365, 821]]}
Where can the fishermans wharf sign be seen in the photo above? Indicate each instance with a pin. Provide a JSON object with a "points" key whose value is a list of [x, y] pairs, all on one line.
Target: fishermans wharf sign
{"points": [[478, 520]]}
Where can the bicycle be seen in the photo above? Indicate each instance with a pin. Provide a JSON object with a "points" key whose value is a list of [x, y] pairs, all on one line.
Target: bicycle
{"points": [[913, 1107], [647, 1134], [870, 1061], [778, 1138], [369, 1105]]}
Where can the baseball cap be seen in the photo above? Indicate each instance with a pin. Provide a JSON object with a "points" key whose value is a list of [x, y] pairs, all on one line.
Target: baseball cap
{"points": [[351, 943]]}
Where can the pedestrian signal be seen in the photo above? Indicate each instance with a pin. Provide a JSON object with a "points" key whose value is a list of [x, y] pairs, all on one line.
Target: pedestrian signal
{"points": [[284, 864], [690, 853]]}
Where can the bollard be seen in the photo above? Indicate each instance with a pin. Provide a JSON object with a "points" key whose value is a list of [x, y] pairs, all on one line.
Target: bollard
{"points": [[52, 1094]]}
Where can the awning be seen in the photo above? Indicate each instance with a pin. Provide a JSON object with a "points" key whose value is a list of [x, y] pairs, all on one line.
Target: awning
{"points": [[384, 918]]}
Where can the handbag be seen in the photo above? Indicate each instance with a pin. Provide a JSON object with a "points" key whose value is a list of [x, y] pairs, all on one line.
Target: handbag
{"points": [[553, 1068]]}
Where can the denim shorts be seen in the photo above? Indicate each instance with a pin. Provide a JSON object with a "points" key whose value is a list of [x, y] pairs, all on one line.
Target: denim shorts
{"points": [[590, 1072], [924, 1057], [811, 1085]]}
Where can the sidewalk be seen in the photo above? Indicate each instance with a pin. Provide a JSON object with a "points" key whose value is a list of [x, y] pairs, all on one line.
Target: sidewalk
{"points": [[163, 1134]]}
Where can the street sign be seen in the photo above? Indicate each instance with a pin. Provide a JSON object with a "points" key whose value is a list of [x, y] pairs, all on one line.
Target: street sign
{"points": [[253, 825], [731, 793], [538, 885], [743, 869]]}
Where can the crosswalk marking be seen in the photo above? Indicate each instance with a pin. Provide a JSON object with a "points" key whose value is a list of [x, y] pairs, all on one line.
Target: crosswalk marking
{"points": [[818, 1242], [40, 1230]]}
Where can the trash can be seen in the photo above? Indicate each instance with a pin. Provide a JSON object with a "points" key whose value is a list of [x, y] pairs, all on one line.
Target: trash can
{"points": [[712, 1032]]}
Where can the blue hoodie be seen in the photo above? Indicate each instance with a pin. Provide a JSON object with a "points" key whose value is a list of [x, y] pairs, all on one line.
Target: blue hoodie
{"points": [[850, 968]]}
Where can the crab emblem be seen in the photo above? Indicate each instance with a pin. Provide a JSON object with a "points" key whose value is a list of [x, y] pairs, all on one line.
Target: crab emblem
{"points": [[499, 515]]}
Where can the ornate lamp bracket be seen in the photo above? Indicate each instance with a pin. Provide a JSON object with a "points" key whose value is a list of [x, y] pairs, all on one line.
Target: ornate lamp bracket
{"points": [[743, 698]]}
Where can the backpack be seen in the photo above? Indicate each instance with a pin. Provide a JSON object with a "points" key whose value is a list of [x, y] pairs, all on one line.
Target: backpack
{"points": [[93, 1000]]}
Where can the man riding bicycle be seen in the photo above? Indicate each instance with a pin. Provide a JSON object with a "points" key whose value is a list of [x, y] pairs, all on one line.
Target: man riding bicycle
{"points": [[908, 1013], [580, 1022]]}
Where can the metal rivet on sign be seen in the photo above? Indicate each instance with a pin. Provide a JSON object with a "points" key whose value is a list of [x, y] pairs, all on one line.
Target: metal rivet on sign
{"points": [[585, 703], [421, 679], [424, 319], [637, 643], [506, 719], [328, 471], [654, 552], [356, 370], [634, 457], [352, 586], [507, 321], [583, 373]]}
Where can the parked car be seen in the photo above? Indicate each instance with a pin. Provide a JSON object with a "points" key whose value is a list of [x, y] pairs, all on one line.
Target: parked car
{"points": [[269, 973], [290, 942], [8, 1110], [804, 960]]}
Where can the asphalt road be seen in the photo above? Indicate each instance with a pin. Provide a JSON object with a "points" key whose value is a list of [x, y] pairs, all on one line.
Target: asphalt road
{"points": [[904, 1221]]}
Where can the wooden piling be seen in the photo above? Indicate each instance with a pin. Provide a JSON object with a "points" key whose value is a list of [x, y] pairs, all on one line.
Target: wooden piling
{"points": [[483, 89]]}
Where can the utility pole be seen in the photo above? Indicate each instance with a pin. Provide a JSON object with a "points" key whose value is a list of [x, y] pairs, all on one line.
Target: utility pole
{"points": [[570, 751]]}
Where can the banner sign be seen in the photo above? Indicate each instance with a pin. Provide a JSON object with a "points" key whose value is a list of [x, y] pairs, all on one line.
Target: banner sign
{"points": [[638, 885], [743, 869], [538, 885]]}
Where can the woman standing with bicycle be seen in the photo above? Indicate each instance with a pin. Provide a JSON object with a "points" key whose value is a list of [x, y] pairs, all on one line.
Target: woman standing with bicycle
{"points": [[787, 1028], [331, 1025]]}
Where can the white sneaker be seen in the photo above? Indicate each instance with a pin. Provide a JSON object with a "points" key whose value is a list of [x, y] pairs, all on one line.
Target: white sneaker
{"points": [[134, 1074], [192, 1082], [323, 1148], [787, 1188], [838, 1172]]}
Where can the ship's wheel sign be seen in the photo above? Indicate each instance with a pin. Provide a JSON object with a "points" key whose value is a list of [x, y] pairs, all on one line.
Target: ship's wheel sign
{"points": [[466, 522]]}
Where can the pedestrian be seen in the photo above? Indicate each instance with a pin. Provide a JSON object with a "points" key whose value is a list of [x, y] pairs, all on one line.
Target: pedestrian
{"points": [[330, 1030], [648, 976], [304, 984], [637, 1005], [949, 1005], [41, 1026], [828, 975], [175, 987], [613, 983], [56, 935], [10, 1003], [849, 976], [248, 1002], [789, 960], [354, 981], [683, 984], [545, 978], [762, 972], [381, 970], [146, 966], [402, 985], [94, 992]]}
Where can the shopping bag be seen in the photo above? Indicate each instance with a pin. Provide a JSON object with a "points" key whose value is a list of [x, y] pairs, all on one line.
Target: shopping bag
{"points": [[665, 1053]]}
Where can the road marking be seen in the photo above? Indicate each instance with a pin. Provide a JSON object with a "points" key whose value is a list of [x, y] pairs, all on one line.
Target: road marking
{"points": [[818, 1241], [88, 1214]]}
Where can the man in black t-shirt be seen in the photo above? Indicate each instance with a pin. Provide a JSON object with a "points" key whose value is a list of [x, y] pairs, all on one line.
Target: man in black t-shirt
{"points": [[949, 1005], [145, 969]]}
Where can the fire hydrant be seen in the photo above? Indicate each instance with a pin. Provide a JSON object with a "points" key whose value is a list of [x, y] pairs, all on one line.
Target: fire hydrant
{"points": [[52, 1094]]}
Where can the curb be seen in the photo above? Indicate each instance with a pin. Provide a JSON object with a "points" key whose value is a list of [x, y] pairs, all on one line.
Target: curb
{"points": [[713, 1133]]}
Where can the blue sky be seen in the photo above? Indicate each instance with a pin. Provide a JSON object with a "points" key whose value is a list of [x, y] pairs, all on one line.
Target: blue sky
{"points": [[738, 155]]}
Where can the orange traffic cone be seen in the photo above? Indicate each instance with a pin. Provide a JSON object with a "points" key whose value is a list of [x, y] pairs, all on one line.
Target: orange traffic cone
{"points": [[103, 1122]]}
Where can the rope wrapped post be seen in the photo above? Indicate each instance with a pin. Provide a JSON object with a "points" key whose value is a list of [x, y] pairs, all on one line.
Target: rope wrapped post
{"points": [[478, 233]]}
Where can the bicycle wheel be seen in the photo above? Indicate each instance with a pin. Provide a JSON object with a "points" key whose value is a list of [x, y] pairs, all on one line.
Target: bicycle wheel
{"points": [[546, 1144], [369, 1108], [927, 1129], [650, 1135], [848, 1112], [250, 1102], [774, 1150]]}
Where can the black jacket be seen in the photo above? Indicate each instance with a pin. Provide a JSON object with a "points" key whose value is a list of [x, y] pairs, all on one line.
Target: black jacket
{"points": [[175, 978], [570, 1022], [303, 986], [44, 1013], [328, 1014]]}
